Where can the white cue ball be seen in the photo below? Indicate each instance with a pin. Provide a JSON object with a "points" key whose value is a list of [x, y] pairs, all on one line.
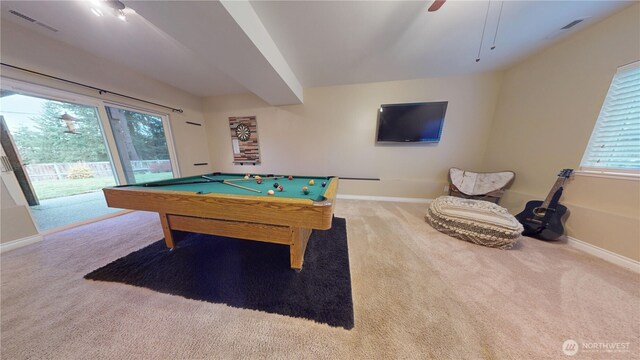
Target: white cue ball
{"points": [[270, 192]]}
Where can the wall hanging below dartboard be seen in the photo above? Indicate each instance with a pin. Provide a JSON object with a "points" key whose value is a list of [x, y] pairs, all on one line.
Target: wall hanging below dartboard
{"points": [[244, 140]]}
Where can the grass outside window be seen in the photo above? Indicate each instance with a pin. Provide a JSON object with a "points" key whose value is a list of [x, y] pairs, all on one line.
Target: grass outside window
{"points": [[50, 189]]}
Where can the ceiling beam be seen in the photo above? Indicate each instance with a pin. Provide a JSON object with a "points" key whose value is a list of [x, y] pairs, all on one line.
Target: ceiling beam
{"points": [[244, 15], [230, 36]]}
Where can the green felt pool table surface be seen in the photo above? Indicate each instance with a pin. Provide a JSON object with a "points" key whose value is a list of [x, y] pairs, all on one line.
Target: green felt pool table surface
{"points": [[291, 188]]}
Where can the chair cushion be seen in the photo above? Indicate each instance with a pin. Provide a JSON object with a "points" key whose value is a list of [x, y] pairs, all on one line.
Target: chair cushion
{"points": [[477, 221], [473, 183]]}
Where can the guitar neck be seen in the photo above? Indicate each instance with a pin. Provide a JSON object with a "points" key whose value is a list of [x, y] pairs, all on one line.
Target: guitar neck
{"points": [[559, 182]]}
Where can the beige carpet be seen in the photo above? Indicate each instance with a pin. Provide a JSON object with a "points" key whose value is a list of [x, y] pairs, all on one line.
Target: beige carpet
{"points": [[417, 294]]}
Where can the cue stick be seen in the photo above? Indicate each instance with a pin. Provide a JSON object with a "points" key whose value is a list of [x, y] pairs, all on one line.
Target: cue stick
{"points": [[243, 179], [177, 183], [231, 184], [169, 183], [254, 179], [241, 187]]}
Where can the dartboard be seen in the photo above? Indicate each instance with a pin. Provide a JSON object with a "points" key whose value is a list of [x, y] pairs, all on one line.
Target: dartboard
{"points": [[243, 132]]}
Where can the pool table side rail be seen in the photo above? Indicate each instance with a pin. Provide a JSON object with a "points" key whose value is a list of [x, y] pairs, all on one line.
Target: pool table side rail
{"points": [[302, 213]]}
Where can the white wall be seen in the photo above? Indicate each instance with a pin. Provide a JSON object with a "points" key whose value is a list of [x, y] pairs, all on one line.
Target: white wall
{"points": [[15, 222], [333, 133], [546, 111]]}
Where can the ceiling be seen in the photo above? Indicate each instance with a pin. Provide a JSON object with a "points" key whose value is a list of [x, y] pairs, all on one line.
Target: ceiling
{"points": [[276, 48], [395, 40]]}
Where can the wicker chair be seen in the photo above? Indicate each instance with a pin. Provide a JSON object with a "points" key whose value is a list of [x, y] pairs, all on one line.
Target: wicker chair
{"points": [[479, 186]]}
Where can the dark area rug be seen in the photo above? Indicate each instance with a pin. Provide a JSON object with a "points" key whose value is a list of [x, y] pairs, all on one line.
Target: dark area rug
{"points": [[247, 274]]}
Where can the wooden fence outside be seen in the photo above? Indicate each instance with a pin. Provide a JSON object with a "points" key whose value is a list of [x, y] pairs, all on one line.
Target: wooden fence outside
{"points": [[59, 171]]}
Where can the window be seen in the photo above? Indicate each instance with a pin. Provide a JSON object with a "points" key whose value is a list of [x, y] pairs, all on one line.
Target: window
{"points": [[69, 146], [614, 145], [60, 156], [142, 144]]}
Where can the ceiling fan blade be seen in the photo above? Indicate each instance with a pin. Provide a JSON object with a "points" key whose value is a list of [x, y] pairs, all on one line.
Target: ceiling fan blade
{"points": [[436, 5]]}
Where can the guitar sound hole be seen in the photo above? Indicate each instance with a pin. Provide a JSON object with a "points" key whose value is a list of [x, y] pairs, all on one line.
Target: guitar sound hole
{"points": [[539, 211]]}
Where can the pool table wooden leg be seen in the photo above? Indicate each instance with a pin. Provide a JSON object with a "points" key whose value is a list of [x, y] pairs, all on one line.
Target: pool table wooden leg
{"points": [[166, 229], [299, 239]]}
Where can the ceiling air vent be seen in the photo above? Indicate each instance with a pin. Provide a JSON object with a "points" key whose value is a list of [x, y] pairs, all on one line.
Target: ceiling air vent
{"points": [[572, 24], [565, 29], [47, 26], [32, 20], [22, 16]]}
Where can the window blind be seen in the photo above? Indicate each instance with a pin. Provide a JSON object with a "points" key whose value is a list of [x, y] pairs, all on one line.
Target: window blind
{"points": [[615, 140]]}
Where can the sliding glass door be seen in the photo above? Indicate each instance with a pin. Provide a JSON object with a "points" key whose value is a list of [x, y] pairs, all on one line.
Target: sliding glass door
{"points": [[60, 157], [68, 147], [141, 139]]}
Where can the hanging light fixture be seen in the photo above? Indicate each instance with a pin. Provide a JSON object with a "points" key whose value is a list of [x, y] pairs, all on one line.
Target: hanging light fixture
{"points": [[121, 15], [117, 6]]}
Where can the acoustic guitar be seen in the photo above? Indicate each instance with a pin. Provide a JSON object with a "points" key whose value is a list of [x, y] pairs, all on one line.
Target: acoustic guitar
{"points": [[544, 220]]}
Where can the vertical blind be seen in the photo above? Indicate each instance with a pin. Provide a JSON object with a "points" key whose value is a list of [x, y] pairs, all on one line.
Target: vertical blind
{"points": [[615, 140]]}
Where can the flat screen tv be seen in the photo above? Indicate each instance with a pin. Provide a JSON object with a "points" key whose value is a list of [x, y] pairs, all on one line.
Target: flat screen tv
{"points": [[417, 122]]}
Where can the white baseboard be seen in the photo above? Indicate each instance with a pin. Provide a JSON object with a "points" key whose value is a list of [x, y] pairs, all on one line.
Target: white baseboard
{"points": [[385, 198], [14, 244], [85, 222], [604, 254]]}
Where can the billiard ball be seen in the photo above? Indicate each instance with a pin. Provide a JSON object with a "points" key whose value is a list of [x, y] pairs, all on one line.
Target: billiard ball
{"points": [[280, 188], [246, 177], [311, 182], [258, 177], [324, 183], [275, 185], [259, 181], [270, 192], [305, 190], [290, 177]]}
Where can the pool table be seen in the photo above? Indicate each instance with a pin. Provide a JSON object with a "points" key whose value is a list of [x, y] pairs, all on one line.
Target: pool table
{"points": [[223, 204]]}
